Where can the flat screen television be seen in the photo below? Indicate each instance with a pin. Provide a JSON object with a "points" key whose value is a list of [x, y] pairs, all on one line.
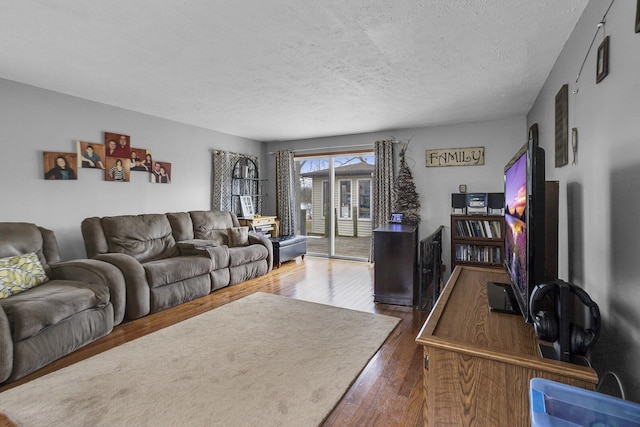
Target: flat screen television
{"points": [[524, 198]]}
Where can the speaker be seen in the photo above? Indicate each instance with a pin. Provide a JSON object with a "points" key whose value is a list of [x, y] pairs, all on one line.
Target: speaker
{"points": [[552, 312], [495, 203], [458, 203], [495, 200]]}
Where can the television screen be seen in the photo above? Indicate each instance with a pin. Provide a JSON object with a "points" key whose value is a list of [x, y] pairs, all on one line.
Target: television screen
{"points": [[515, 197], [525, 226]]}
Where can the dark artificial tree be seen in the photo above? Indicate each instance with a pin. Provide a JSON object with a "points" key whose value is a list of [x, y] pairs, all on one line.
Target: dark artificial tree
{"points": [[407, 200]]}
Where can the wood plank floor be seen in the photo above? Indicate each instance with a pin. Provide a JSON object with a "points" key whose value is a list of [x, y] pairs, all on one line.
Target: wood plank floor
{"points": [[388, 392]]}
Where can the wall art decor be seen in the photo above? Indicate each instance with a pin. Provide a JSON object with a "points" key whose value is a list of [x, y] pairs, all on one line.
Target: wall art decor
{"points": [[139, 158], [60, 166], [117, 145], [90, 155], [562, 126], [602, 68], [247, 207], [468, 156], [117, 169], [161, 173]]}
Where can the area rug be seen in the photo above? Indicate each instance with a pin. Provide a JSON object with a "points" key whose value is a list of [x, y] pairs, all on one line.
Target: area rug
{"points": [[263, 360]]}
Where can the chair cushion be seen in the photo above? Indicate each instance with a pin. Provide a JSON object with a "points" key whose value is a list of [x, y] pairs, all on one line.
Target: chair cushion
{"points": [[20, 273], [247, 254], [38, 308], [171, 270]]}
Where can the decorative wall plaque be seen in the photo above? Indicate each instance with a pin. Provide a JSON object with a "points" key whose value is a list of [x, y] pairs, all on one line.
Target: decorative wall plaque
{"points": [[469, 156], [562, 126]]}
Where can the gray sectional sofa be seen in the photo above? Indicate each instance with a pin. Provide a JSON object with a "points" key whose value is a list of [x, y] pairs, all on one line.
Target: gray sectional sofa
{"points": [[50, 308], [169, 259]]}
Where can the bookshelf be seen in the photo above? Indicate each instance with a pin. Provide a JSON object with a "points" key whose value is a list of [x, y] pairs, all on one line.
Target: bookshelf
{"points": [[477, 240]]}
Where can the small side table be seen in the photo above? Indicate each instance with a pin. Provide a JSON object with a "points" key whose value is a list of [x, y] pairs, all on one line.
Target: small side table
{"points": [[286, 248]]}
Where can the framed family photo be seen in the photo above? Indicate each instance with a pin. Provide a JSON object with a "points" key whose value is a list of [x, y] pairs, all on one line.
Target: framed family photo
{"points": [[60, 166], [161, 173], [117, 145], [90, 155]]}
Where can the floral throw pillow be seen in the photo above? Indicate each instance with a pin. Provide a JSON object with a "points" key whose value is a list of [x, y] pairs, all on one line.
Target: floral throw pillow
{"points": [[20, 273]]}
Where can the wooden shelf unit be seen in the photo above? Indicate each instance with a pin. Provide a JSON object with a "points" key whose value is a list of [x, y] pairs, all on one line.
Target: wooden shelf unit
{"points": [[478, 363], [245, 181], [267, 226], [477, 240]]}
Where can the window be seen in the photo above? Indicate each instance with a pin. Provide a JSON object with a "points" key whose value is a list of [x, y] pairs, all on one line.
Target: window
{"points": [[364, 199], [345, 199], [325, 198]]}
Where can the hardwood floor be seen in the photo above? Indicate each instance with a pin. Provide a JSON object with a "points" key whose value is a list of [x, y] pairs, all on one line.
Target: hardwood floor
{"points": [[388, 392]]}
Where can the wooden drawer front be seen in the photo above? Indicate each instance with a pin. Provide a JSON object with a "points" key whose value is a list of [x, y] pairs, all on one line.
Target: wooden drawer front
{"points": [[262, 221]]}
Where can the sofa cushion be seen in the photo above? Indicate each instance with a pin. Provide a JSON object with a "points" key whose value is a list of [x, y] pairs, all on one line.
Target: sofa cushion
{"points": [[212, 225], [171, 270], [247, 254], [38, 308], [145, 237], [20, 273], [238, 236]]}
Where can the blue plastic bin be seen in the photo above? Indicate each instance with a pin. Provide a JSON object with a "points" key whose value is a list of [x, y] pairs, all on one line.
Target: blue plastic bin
{"points": [[560, 405]]}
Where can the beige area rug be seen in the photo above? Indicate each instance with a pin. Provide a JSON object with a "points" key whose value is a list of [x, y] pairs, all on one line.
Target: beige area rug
{"points": [[263, 360]]}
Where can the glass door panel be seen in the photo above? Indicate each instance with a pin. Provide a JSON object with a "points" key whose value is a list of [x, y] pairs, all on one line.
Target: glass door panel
{"points": [[353, 173], [315, 203], [335, 204]]}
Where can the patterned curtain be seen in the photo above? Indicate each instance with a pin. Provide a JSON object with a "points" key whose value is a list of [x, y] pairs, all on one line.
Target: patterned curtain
{"points": [[224, 186], [286, 198], [382, 186]]}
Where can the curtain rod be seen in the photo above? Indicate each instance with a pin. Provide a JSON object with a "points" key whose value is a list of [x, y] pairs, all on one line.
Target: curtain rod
{"points": [[327, 148]]}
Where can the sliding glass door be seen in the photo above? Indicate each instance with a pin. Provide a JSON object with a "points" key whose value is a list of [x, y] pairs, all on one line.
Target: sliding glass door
{"points": [[335, 204]]}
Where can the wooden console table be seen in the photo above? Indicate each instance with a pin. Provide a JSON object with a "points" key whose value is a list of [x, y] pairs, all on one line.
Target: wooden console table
{"points": [[478, 363]]}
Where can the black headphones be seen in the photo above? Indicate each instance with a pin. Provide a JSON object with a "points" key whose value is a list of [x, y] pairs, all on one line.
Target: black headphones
{"points": [[545, 321]]}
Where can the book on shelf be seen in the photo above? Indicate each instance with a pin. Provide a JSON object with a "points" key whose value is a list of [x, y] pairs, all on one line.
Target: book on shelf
{"points": [[479, 228]]}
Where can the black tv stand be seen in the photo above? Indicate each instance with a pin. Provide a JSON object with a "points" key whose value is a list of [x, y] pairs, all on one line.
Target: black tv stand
{"points": [[553, 352], [501, 298]]}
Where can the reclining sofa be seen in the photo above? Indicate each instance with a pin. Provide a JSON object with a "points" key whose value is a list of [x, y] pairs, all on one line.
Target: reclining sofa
{"points": [[49, 308], [169, 259]]}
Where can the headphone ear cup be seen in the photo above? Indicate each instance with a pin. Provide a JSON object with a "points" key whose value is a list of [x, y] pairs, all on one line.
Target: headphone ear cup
{"points": [[545, 323], [581, 340], [546, 326]]}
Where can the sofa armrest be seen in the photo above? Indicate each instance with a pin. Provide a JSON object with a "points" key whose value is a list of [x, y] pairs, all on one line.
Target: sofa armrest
{"points": [[6, 347], [138, 294], [193, 247], [94, 271], [256, 239]]}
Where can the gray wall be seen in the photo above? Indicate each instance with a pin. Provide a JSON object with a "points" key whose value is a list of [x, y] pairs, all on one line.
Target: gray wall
{"points": [[34, 120], [501, 139], [599, 204]]}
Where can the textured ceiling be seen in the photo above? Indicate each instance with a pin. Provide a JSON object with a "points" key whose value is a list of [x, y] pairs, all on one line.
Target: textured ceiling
{"points": [[291, 69]]}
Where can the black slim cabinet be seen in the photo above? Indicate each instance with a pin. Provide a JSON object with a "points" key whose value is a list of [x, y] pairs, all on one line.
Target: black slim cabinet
{"points": [[395, 269]]}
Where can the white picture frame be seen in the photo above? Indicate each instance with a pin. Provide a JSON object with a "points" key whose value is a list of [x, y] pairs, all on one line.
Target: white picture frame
{"points": [[246, 204]]}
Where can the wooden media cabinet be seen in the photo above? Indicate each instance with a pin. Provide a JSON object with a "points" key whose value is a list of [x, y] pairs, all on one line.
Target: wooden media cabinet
{"points": [[478, 363]]}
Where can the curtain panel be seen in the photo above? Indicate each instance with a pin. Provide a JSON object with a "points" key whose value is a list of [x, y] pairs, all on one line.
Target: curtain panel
{"points": [[224, 187], [286, 189], [383, 188]]}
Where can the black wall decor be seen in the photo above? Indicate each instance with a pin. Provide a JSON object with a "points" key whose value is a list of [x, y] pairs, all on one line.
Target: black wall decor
{"points": [[562, 126]]}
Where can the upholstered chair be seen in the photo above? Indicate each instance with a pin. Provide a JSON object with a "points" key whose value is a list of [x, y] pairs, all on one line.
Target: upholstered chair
{"points": [[48, 307]]}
